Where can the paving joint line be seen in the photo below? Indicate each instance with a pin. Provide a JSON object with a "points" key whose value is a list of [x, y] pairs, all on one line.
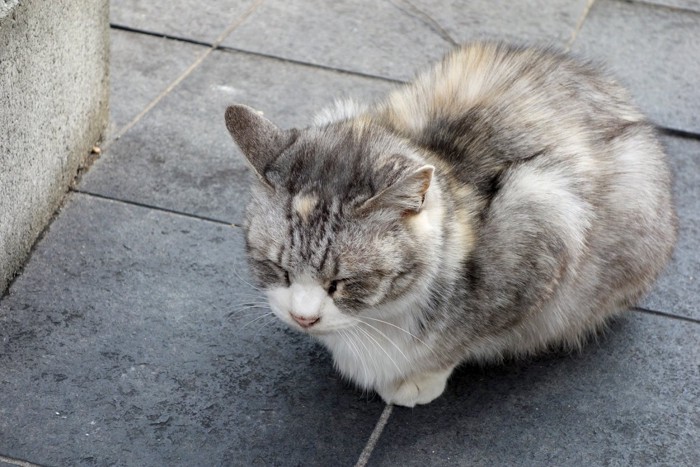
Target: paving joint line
{"points": [[156, 208], [244, 16], [227, 48], [13, 461], [665, 315], [579, 25], [374, 437], [224, 48], [679, 133], [145, 32]]}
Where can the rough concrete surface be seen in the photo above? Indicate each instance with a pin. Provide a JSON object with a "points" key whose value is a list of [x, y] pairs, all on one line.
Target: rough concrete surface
{"points": [[53, 109]]}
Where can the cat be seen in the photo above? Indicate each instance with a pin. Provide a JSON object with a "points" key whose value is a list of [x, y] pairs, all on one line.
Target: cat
{"points": [[509, 200]]}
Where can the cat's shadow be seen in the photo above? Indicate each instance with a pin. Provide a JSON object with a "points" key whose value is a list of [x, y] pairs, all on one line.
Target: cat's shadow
{"points": [[532, 410], [472, 388], [527, 382]]}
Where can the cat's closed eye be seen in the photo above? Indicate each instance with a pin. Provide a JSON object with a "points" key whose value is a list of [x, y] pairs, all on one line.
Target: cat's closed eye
{"points": [[333, 287], [345, 286], [271, 273], [357, 288]]}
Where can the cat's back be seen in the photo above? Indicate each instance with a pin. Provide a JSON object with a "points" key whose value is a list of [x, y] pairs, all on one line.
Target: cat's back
{"points": [[490, 110], [571, 183], [530, 92]]}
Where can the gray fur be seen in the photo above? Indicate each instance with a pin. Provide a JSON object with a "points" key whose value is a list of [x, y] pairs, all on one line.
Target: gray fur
{"points": [[508, 200]]}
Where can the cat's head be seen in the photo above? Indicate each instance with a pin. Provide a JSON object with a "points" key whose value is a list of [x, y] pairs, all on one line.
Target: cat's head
{"points": [[343, 218]]}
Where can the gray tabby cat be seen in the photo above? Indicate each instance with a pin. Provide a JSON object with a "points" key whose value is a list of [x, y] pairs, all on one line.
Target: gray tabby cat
{"points": [[508, 200]]}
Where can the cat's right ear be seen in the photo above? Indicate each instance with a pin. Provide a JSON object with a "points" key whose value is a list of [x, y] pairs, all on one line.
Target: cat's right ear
{"points": [[260, 140]]}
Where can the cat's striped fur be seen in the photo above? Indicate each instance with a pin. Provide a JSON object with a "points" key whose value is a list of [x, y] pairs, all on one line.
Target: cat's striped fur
{"points": [[507, 200]]}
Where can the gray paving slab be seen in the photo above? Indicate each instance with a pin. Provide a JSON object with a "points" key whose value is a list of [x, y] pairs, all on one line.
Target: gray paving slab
{"points": [[141, 67], [629, 399], [538, 21], [190, 19], [121, 344], [653, 51], [181, 157], [364, 36], [678, 289], [395, 38]]}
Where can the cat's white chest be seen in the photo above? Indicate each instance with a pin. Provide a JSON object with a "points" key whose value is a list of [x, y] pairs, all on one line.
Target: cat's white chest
{"points": [[374, 355]]}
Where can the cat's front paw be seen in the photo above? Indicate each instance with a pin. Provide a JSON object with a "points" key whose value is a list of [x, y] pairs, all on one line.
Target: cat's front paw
{"points": [[418, 389]]}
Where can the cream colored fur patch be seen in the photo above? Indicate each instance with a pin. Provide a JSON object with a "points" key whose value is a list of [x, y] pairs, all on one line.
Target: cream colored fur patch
{"points": [[304, 205]]}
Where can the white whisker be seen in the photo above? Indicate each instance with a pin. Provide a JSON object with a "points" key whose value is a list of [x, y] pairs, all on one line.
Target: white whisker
{"points": [[256, 319], [245, 297], [356, 351], [264, 325], [361, 341], [235, 271], [400, 329], [242, 313], [389, 339], [245, 308], [380, 346]]}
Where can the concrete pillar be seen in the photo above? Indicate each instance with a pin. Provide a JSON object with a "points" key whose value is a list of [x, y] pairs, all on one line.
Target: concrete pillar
{"points": [[54, 57]]}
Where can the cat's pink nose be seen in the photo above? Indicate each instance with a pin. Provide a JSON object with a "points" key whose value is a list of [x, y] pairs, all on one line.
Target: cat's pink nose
{"points": [[305, 322]]}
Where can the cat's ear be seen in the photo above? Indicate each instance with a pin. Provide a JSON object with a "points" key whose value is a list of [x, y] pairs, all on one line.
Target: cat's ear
{"points": [[406, 196], [260, 140]]}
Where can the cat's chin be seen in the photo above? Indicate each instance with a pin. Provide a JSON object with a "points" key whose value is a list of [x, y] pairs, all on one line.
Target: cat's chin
{"points": [[323, 332], [320, 332]]}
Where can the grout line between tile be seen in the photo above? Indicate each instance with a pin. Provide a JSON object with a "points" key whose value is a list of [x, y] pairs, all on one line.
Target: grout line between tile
{"points": [[374, 437], [155, 208], [227, 48], [666, 315], [186, 73], [679, 133], [121, 27], [13, 461], [666, 130], [579, 25]]}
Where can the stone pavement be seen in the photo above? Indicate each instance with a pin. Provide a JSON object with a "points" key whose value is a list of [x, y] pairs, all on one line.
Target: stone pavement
{"points": [[130, 338]]}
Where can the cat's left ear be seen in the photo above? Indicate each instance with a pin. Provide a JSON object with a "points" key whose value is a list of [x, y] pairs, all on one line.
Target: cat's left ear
{"points": [[260, 140], [406, 196]]}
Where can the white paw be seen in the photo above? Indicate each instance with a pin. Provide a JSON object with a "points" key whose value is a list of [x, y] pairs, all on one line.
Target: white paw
{"points": [[418, 389]]}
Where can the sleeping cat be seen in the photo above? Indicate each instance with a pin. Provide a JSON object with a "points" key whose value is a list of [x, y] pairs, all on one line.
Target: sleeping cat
{"points": [[508, 200]]}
